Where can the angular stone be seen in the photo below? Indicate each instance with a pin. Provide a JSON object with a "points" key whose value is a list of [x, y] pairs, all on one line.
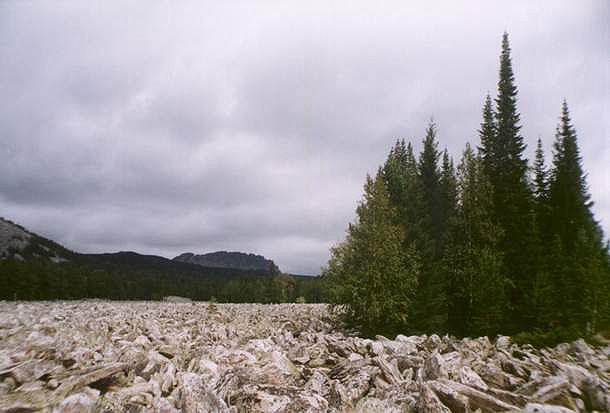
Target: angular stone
{"points": [[545, 408], [479, 399], [450, 397]]}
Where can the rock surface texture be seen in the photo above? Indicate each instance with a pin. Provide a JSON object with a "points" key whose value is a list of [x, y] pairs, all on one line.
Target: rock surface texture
{"points": [[98, 356]]}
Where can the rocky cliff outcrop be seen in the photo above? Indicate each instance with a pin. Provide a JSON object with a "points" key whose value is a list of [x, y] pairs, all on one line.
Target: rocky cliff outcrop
{"points": [[224, 259], [17, 242]]}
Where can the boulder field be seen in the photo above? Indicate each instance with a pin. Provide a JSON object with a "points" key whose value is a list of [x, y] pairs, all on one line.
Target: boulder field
{"points": [[102, 356]]}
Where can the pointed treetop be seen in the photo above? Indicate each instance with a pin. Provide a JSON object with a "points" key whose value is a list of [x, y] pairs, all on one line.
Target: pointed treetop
{"points": [[540, 173], [566, 121], [428, 160], [445, 158], [488, 131], [488, 111], [569, 196], [505, 43], [507, 90], [565, 140], [410, 155], [447, 166], [508, 141]]}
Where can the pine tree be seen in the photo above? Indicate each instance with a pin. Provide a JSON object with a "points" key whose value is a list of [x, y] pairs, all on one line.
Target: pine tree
{"points": [[540, 190], [487, 135], [417, 218], [395, 175], [569, 197], [429, 174], [546, 250], [372, 275], [430, 313], [473, 262], [448, 195]]}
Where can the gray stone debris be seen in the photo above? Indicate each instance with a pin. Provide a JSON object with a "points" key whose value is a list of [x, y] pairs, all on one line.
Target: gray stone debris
{"points": [[170, 357]]}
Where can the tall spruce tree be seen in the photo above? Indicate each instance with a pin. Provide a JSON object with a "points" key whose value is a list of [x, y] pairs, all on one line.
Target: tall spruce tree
{"points": [[372, 276], [429, 174], [418, 220], [540, 190], [584, 278], [546, 250], [502, 150], [430, 309], [569, 197]]}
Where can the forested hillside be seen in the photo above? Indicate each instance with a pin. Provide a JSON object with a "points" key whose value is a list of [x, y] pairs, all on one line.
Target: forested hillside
{"points": [[35, 268], [42, 279], [492, 245]]}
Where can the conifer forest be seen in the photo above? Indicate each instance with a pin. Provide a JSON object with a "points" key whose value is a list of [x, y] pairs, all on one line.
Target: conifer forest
{"points": [[485, 243]]}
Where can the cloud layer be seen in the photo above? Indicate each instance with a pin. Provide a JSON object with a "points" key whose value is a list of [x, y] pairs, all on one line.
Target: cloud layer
{"points": [[198, 126]]}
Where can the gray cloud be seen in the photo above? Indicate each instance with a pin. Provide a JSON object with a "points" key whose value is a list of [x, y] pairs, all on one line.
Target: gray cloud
{"points": [[201, 126]]}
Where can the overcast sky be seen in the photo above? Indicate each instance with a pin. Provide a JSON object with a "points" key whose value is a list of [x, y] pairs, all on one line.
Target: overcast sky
{"points": [[166, 127]]}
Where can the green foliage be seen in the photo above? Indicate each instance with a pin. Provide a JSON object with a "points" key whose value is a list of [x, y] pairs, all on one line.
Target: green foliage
{"points": [[568, 194], [429, 176], [372, 277], [485, 251], [512, 199], [487, 135], [540, 338], [473, 262], [448, 197], [406, 193]]}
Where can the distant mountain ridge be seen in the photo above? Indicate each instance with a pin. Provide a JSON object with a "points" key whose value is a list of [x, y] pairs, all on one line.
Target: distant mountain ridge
{"points": [[233, 259], [16, 242], [130, 261]]}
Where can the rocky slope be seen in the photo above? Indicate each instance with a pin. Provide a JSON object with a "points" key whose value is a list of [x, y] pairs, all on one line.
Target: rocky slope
{"points": [[224, 259], [17, 242], [194, 357]]}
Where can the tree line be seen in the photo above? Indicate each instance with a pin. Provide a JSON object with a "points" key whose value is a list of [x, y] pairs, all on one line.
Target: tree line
{"points": [[492, 245], [41, 279]]}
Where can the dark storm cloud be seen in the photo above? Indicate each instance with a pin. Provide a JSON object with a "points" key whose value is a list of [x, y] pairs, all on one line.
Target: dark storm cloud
{"points": [[166, 128]]}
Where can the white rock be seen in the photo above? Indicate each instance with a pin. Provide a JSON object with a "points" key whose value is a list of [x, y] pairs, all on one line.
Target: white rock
{"points": [[545, 408], [83, 402]]}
